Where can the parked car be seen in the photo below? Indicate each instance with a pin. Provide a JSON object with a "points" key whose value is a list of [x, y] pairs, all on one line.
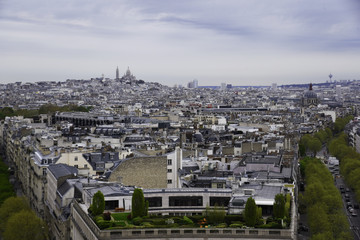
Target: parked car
{"points": [[350, 209], [354, 214], [303, 228]]}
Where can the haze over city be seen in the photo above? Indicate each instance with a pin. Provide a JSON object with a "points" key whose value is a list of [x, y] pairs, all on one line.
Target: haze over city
{"points": [[172, 42]]}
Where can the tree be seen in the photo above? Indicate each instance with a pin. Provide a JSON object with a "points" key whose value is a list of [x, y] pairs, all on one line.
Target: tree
{"points": [[98, 204], [318, 219], [250, 212], [25, 225], [11, 206], [215, 215], [314, 145], [279, 206], [302, 149], [6, 188], [138, 203], [146, 207]]}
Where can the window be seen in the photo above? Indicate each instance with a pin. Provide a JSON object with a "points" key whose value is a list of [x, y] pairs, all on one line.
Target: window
{"points": [[186, 201], [76, 158], [169, 181], [169, 162], [169, 170], [220, 201], [111, 204], [85, 165], [154, 201], [77, 166]]}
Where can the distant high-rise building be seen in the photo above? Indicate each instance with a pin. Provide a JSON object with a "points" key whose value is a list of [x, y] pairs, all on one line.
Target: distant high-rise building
{"points": [[274, 87], [117, 73], [196, 83], [223, 86], [338, 92], [193, 84]]}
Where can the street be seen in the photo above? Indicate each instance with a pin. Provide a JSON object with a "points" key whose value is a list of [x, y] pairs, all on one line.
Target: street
{"points": [[354, 221]]}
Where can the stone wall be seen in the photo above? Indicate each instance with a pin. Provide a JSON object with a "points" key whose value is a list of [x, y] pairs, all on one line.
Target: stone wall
{"points": [[145, 172]]}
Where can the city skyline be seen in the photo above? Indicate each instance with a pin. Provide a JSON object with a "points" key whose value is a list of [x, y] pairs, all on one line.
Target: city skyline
{"points": [[237, 42]]}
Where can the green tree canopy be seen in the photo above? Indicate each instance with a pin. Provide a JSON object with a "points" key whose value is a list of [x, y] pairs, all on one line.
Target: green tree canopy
{"points": [[6, 188], [279, 206], [138, 204], [11, 206], [314, 145], [25, 225], [98, 204], [215, 215], [251, 212]]}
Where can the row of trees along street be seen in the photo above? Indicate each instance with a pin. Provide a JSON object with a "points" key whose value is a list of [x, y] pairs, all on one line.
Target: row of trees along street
{"points": [[18, 221], [322, 200], [15, 213], [6, 188], [349, 162]]}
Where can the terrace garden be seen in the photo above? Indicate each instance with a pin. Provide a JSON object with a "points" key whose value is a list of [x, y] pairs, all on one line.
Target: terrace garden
{"points": [[124, 221], [214, 217]]}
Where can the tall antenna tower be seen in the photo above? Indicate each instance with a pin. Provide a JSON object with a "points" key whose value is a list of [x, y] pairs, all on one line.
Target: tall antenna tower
{"points": [[330, 76]]}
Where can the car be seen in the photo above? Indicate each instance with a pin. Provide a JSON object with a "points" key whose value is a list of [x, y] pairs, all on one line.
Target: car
{"points": [[348, 204], [351, 210], [342, 190], [347, 196], [303, 228], [347, 190], [356, 206], [354, 214]]}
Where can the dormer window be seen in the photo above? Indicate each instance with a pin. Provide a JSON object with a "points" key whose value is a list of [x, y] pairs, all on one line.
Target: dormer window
{"points": [[76, 158]]}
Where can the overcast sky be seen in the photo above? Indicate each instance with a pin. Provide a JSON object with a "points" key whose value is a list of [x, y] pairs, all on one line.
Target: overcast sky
{"points": [[242, 42]]}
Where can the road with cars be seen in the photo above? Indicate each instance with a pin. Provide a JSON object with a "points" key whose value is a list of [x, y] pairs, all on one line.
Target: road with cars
{"points": [[351, 206]]}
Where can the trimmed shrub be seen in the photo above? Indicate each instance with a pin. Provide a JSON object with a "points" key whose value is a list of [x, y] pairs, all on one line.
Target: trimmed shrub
{"points": [[196, 218], [147, 225], [138, 203], [186, 221], [229, 219], [158, 221], [107, 216], [98, 203], [102, 224], [236, 225], [221, 225], [137, 221]]}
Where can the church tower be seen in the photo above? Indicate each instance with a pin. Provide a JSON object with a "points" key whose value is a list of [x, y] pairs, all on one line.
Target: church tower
{"points": [[117, 73]]}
